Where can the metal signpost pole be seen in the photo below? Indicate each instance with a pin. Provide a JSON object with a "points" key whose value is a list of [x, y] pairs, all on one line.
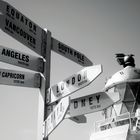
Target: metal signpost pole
{"points": [[47, 66], [46, 81]]}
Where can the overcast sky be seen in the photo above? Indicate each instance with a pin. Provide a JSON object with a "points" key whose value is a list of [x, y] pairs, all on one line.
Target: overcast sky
{"points": [[97, 28]]}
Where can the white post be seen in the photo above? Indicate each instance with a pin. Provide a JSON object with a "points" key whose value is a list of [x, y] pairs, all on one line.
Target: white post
{"points": [[45, 84]]}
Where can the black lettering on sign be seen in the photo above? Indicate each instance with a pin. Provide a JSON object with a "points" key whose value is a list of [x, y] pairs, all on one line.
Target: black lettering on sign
{"points": [[15, 55], [90, 100], [83, 102], [83, 78], [79, 56], [82, 82], [57, 89], [75, 104], [16, 15], [57, 112], [95, 106], [98, 98], [79, 77], [23, 63], [12, 28], [73, 80], [19, 81], [87, 101], [62, 86], [64, 49], [68, 82], [13, 75], [78, 80]]}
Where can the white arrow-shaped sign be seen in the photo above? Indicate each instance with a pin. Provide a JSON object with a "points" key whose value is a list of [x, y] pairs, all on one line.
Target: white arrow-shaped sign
{"points": [[22, 28], [92, 103], [70, 53], [56, 116], [74, 83], [19, 78], [89, 103], [21, 59]]}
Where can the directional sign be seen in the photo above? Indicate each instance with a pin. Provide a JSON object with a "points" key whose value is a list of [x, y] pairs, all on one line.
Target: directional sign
{"points": [[70, 53], [22, 28], [74, 83], [19, 78], [91, 103], [21, 59], [77, 119], [19, 33], [56, 116]]}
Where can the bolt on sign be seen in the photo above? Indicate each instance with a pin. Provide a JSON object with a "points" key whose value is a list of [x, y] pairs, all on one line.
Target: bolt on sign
{"points": [[56, 116], [70, 53], [21, 59], [19, 78], [22, 28], [74, 83]]}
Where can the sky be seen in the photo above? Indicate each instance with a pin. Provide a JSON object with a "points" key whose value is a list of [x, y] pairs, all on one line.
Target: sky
{"points": [[97, 28]]}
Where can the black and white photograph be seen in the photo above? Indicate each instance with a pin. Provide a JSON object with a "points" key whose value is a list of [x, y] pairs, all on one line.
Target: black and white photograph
{"points": [[69, 69]]}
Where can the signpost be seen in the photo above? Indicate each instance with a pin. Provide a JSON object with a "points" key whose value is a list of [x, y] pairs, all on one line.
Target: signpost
{"points": [[56, 116], [22, 28], [19, 78], [21, 59], [91, 103], [74, 83], [46, 74], [70, 53]]}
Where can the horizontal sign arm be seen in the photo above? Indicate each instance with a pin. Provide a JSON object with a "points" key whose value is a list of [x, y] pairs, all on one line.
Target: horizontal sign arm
{"points": [[70, 53]]}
